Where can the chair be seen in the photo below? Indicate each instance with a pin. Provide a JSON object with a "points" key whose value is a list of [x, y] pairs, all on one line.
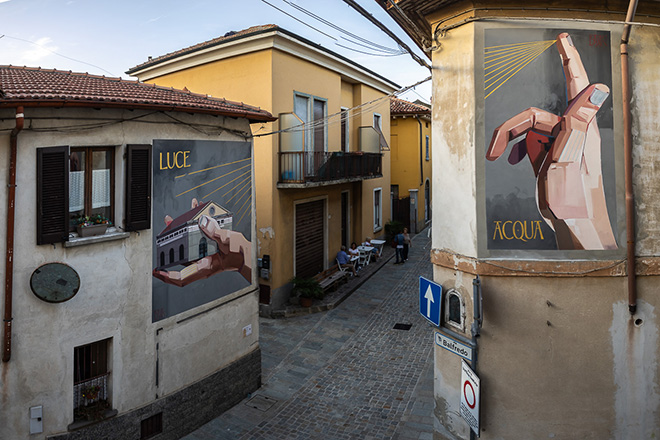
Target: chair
{"points": [[364, 258], [339, 266]]}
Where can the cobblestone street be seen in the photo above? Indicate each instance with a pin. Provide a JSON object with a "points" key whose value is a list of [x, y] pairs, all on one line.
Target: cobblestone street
{"points": [[347, 373]]}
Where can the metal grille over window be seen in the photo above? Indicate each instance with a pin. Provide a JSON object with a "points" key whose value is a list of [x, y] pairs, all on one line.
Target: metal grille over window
{"points": [[90, 379], [455, 309]]}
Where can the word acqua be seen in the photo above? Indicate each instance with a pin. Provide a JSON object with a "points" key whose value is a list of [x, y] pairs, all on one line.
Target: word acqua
{"points": [[522, 230]]}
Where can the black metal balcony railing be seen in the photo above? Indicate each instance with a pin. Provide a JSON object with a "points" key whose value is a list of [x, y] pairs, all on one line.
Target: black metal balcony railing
{"points": [[312, 166]]}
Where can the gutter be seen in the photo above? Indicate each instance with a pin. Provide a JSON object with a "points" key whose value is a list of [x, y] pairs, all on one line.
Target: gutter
{"points": [[9, 262], [628, 161]]}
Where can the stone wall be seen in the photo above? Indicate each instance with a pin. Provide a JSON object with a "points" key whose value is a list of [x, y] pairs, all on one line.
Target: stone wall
{"points": [[185, 410]]}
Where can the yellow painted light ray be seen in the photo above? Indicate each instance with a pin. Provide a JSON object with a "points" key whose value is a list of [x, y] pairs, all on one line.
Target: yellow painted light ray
{"points": [[248, 191], [516, 57], [240, 191], [508, 63], [518, 62], [246, 211], [512, 56], [212, 168], [234, 179], [242, 182], [213, 180], [510, 50]]}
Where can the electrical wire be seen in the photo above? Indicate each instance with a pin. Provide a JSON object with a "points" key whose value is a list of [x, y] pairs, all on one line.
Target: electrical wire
{"points": [[352, 113], [371, 44], [299, 20], [60, 55]]}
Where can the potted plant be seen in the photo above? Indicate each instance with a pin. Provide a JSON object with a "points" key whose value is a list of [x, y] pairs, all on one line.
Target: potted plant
{"points": [[88, 226], [307, 289]]}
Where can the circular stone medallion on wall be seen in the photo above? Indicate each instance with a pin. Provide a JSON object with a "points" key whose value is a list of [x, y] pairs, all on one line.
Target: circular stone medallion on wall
{"points": [[55, 282]]}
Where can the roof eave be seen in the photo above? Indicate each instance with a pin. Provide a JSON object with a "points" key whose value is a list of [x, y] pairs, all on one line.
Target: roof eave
{"points": [[251, 117]]}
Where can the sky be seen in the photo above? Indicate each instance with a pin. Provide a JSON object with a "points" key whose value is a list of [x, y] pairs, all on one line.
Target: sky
{"points": [[108, 38]]}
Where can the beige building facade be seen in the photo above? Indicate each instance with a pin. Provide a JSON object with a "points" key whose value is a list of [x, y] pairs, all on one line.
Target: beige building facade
{"points": [[86, 353], [568, 346]]}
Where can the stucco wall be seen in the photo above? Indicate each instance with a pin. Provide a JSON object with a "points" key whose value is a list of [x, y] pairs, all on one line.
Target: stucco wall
{"points": [[115, 297], [559, 357], [454, 127]]}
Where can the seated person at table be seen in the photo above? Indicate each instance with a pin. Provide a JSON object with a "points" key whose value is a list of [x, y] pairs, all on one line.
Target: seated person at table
{"points": [[354, 251], [345, 261]]}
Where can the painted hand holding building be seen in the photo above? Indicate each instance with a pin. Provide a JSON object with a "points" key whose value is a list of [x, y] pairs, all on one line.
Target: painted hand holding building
{"points": [[204, 243], [565, 153]]}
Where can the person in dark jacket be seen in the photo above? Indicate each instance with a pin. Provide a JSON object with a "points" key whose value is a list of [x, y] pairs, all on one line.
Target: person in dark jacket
{"points": [[398, 241]]}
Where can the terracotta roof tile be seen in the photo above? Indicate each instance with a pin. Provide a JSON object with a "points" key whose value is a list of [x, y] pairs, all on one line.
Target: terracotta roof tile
{"points": [[402, 107], [37, 87]]}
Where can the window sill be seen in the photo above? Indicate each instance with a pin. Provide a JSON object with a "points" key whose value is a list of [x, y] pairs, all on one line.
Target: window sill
{"points": [[78, 424], [110, 235], [378, 228]]}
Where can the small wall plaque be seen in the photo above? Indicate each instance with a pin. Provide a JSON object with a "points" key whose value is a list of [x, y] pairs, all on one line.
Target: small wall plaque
{"points": [[55, 282]]}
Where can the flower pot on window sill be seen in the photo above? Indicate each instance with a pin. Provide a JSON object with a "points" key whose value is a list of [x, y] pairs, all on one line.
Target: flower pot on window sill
{"points": [[91, 230]]}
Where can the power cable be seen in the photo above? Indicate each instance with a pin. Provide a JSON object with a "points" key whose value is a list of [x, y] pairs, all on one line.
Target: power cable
{"points": [[352, 113], [60, 55], [344, 31], [299, 20]]}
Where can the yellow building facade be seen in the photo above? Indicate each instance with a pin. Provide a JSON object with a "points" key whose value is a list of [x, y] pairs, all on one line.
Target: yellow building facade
{"points": [[410, 143], [322, 171]]}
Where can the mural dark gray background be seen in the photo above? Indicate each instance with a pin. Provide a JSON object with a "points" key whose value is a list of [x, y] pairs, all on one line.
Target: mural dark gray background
{"points": [[173, 191], [510, 189]]}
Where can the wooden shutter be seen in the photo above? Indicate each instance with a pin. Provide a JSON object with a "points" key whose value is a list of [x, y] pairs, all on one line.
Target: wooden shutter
{"points": [[138, 187], [52, 194]]}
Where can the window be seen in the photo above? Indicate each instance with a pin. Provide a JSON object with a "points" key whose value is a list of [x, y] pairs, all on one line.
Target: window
{"points": [[378, 123], [91, 180], [90, 377], [80, 181], [311, 108], [454, 310], [428, 150], [378, 209], [345, 133], [151, 426]]}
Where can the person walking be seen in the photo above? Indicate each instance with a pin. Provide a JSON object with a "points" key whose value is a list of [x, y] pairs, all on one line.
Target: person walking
{"points": [[398, 241], [407, 244]]}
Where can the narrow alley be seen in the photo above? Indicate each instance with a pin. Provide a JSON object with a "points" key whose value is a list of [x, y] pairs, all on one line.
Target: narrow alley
{"points": [[353, 372]]}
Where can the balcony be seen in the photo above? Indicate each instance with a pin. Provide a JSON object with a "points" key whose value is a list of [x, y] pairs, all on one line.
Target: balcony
{"points": [[300, 167], [316, 168]]}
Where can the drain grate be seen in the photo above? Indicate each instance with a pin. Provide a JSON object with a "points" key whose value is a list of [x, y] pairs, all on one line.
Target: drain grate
{"points": [[262, 403], [400, 326]]}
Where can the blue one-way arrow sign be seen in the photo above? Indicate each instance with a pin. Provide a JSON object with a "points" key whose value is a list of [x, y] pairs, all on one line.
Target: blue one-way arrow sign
{"points": [[430, 299]]}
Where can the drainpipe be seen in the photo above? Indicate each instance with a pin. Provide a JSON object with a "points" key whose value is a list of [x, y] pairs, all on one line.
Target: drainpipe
{"points": [[9, 263], [477, 321], [628, 160], [421, 152]]}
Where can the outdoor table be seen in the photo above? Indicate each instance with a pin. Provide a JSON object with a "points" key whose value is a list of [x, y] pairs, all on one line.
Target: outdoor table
{"points": [[379, 245]]}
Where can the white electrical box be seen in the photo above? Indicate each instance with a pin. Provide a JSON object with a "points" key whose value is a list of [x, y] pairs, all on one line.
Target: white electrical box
{"points": [[36, 419]]}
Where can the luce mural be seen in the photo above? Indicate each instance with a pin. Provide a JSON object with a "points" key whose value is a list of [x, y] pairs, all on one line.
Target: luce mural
{"points": [[547, 94], [203, 250]]}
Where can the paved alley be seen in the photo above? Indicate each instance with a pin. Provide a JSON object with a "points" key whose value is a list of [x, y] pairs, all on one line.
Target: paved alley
{"points": [[353, 372]]}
